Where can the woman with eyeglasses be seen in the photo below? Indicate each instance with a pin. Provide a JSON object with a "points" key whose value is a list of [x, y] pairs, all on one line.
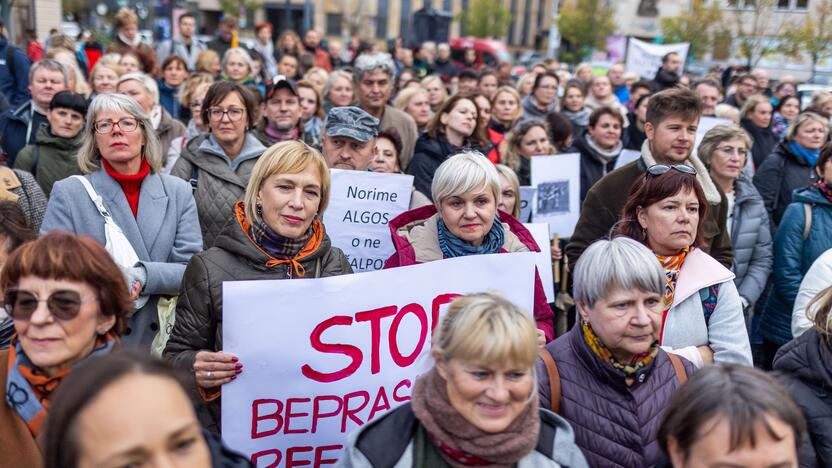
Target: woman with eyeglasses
{"points": [[218, 164], [702, 316], [121, 158], [69, 305], [725, 149]]}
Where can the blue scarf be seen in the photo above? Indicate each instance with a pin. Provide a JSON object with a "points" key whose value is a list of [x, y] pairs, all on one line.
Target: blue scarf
{"points": [[452, 246], [807, 155]]}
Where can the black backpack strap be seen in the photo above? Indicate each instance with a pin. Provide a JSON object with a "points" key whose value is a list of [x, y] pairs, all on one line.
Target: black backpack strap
{"points": [[194, 180], [35, 158]]}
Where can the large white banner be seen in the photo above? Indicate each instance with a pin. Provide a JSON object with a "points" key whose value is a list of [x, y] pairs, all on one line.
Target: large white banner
{"points": [[644, 58], [324, 356], [557, 199], [360, 206]]}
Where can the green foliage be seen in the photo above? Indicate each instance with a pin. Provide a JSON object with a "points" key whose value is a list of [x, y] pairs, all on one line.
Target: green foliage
{"points": [[695, 26], [756, 36], [485, 18], [585, 24], [811, 35], [232, 7]]}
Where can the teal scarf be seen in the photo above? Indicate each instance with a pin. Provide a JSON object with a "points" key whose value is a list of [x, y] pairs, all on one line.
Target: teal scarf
{"points": [[810, 156], [452, 246]]}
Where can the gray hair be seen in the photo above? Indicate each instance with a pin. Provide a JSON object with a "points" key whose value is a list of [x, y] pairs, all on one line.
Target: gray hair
{"points": [[462, 173], [801, 119], [368, 63], [51, 65], [89, 157], [717, 136], [620, 263], [146, 81], [330, 81], [237, 51]]}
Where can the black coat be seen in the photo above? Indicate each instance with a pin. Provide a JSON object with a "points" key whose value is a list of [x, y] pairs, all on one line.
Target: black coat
{"points": [[805, 364], [592, 169], [764, 141], [428, 154], [778, 176], [664, 80]]}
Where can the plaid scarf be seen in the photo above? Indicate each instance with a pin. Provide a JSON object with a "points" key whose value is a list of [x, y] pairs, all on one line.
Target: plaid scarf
{"points": [[825, 190], [629, 369], [28, 390], [277, 246]]}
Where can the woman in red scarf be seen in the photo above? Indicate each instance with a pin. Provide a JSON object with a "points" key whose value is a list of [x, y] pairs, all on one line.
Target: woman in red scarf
{"points": [[69, 303]]}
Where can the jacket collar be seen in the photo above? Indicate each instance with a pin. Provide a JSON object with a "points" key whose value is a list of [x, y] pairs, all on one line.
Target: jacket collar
{"points": [[700, 270], [601, 369], [46, 137]]}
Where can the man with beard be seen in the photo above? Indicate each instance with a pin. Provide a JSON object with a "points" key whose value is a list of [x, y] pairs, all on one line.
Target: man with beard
{"points": [[281, 114]]}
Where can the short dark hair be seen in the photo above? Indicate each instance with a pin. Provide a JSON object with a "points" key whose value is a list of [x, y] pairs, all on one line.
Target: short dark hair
{"points": [[218, 91], [486, 72], [186, 15], [14, 226], [81, 388], [783, 100], [680, 102], [468, 74], [741, 395], [596, 115], [746, 76], [641, 99], [60, 255], [539, 78], [648, 190], [707, 82], [173, 58], [667, 56], [69, 100], [560, 129], [393, 135], [824, 157], [644, 84]]}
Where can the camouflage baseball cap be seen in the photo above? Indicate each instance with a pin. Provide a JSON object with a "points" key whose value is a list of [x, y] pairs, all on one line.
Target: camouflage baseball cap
{"points": [[351, 122]]}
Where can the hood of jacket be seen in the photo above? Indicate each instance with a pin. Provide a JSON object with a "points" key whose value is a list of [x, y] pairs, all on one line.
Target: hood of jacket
{"points": [[806, 358], [45, 137], [665, 78], [810, 195], [233, 240], [416, 239]]}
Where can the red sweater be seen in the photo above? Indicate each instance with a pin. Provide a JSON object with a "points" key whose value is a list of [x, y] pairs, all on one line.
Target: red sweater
{"points": [[131, 184]]}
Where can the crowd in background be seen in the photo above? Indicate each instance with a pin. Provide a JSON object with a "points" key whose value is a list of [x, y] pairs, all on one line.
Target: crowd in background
{"points": [[136, 178]]}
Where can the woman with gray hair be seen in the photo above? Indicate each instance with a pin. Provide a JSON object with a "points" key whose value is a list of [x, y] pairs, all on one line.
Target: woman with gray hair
{"points": [[477, 406], [725, 150], [121, 158], [338, 90], [608, 376], [464, 220], [144, 90]]}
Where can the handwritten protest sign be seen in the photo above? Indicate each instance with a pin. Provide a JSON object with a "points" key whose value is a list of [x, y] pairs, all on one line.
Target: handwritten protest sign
{"points": [[324, 356], [626, 157], [360, 206], [644, 58], [558, 182], [543, 259]]}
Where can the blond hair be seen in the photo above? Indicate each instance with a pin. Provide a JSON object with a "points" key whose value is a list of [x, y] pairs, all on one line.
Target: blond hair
{"points": [[405, 96], [486, 328], [513, 92], [288, 157], [511, 176]]}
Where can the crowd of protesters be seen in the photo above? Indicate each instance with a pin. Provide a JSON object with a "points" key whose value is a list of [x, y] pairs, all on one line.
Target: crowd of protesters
{"points": [[139, 177]]}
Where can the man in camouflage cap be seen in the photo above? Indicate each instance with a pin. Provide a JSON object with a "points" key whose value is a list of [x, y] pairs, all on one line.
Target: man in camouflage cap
{"points": [[348, 138]]}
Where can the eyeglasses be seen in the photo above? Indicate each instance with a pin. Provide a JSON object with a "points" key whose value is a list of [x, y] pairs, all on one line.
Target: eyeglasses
{"points": [[731, 150], [127, 124], [63, 305], [195, 104], [234, 113], [659, 169]]}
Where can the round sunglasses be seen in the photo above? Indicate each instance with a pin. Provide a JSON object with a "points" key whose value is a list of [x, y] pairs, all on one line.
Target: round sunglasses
{"points": [[63, 304]]}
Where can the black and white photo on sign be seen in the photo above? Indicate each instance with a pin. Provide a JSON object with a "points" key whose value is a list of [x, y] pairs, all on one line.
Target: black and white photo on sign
{"points": [[557, 180]]}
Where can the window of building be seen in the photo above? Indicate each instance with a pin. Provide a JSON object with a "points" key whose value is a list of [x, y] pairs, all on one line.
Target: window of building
{"points": [[742, 3], [333, 24], [381, 20], [792, 4]]}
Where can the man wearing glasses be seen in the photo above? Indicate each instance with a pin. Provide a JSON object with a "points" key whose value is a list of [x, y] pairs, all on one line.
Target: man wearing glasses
{"points": [[672, 119], [746, 87]]}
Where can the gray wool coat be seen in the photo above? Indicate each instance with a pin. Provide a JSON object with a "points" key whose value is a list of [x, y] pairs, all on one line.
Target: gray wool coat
{"points": [[751, 241], [165, 233]]}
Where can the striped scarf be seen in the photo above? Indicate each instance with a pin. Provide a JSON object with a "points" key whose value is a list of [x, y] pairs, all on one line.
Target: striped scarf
{"points": [[28, 390], [627, 369]]}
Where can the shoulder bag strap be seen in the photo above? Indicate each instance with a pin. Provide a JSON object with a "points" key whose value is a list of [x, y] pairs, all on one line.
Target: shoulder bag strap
{"points": [[807, 224], [554, 379], [96, 199], [36, 157], [679, 368]]}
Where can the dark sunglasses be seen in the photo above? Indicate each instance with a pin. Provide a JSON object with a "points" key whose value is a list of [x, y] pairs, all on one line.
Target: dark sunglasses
{"points": [[63, 305], [659, 169]]}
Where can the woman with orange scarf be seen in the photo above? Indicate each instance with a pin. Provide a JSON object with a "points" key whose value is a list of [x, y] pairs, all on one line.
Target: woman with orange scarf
{"points": [[277, 234], [69, 303]]}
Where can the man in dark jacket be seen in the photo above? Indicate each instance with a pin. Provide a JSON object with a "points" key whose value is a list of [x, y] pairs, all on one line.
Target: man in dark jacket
{"points": [[19, 126], [443, 65], [225, 33], [672, 118], [667, 76], [349, 138], [746, 86], [14, 72]]}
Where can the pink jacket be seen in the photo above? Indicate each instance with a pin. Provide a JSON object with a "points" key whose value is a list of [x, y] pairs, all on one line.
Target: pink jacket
{"points": [[415, 238]]}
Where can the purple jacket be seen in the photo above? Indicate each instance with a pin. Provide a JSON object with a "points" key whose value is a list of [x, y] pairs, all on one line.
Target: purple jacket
{"points": [[615, 425]]}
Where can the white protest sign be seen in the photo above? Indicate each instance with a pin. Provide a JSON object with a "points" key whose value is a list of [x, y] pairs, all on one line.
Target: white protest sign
{"points": [[558, 182], [626, 157], [543, 259], [360, 206], [526, 200], [324, 356], [644, 58]]}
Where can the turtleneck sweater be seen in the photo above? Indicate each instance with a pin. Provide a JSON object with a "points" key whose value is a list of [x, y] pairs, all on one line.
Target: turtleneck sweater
{"points": [[131, 184]]}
